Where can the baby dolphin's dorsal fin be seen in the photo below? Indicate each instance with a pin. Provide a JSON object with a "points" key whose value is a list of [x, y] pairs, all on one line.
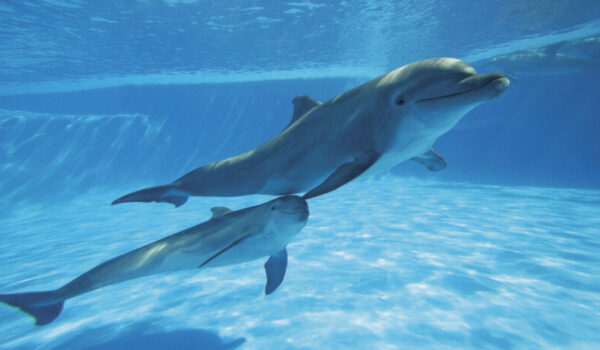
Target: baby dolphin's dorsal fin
{"points": [[302, 104], [219, 211]]}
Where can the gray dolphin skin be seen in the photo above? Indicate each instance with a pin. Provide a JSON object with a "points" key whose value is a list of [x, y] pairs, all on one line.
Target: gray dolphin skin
{"points": [[229, 237], [366, 130]]}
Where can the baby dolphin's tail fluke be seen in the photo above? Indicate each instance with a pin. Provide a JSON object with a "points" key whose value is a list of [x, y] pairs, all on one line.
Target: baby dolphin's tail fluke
{"points": [[43, 306], [166, 193]]}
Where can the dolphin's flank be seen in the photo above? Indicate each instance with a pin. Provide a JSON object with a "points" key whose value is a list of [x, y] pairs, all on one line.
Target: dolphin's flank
{"points": [[366, 130]]}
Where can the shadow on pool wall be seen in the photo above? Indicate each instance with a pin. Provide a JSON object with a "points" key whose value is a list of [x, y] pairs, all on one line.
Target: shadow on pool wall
{"points": [[542, 132]]}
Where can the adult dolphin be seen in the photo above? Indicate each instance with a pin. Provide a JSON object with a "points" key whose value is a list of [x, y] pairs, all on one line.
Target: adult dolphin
{"points": [[373, 127], [229, 237]]}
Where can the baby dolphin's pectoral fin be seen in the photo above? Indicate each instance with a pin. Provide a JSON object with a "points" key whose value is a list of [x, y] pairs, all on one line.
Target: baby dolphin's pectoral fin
{"points": [[275, 269], [344, 174], [431, 160]]}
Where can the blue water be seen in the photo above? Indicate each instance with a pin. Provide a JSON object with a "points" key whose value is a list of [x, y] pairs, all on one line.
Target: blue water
{"points": [[500, 250]]}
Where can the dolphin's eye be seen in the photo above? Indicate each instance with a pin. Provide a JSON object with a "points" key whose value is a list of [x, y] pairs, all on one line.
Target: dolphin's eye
{"points": [[399, 101], [272, 207]]}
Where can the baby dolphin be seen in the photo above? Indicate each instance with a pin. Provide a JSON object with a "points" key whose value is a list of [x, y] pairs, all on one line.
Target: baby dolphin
{"points": [[229, 237], [368, 129]]}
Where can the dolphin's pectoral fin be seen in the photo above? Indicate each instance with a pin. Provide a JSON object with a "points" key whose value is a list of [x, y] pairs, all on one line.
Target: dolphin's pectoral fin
{"points": [[166, 193], [219, 211], [223, 250], [344, 174], [302, 104], [275, 269], [431, 160]]}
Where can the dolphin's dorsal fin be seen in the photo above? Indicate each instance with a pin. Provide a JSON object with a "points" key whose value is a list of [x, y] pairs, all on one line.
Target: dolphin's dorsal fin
{"points": [[302, 104], [219, 211]]}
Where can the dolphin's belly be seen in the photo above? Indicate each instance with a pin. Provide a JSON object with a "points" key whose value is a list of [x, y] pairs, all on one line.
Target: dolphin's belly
{"points": [[190, 260], [293, 183], [247, 249], [403, 149], [306, 173], [252, 248]]}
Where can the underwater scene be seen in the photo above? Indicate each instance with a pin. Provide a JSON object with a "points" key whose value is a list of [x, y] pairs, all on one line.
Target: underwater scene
{"points": [[371, 174]]}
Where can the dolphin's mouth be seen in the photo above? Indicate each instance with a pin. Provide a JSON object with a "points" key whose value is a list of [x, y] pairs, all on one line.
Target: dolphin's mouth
{"points": [[299, 215], [445, 96], [497, 81], [294, 212]]}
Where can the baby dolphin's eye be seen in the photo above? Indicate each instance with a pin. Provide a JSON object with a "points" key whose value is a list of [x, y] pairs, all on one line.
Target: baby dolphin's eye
{"points": [[272, 207], [399, 100]]}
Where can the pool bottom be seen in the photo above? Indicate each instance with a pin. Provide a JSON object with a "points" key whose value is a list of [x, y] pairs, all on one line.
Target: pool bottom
{"points": [[384, 264]]}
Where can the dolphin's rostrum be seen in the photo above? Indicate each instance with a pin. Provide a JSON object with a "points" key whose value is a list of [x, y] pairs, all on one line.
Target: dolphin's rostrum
{"points": [[368, 129], [229, 237]]}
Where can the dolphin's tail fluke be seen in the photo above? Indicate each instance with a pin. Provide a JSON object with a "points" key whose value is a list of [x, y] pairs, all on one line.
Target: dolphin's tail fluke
{"points": [[41, 305], [166, 193]]}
